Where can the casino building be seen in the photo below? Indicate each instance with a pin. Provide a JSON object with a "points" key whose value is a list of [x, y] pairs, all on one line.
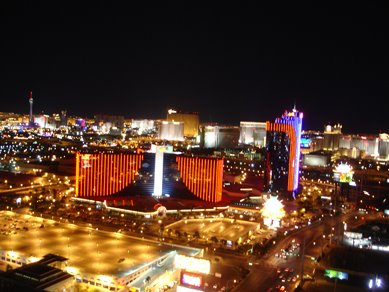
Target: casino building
{"points": [[283, 153], [160, 172], [190, 121]]}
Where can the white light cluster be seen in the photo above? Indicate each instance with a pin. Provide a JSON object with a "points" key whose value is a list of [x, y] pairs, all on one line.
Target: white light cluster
{"points": [[192, 264]]}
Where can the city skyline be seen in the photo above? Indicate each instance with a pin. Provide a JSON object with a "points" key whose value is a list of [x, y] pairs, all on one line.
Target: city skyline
{"points": [[230, 64]]}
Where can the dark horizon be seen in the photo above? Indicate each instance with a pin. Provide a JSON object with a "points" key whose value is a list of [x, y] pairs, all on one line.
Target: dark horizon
{"points": [[228, 63]]}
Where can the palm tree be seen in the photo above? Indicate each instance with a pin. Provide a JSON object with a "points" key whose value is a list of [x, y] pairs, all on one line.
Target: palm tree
{"points": [[214, 239], [196, 234]]}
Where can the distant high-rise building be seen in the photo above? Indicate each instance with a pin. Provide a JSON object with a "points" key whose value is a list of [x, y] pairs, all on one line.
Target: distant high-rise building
{"points": [[358, 145], [31, 101], [171, 131], [383, 148], [63, 118], [332, 137], [106, 122], [283, 152], [190, 120], [214, 136], [252, 133], [143, 126], [41, 121], [311, 141], [368, 145]]}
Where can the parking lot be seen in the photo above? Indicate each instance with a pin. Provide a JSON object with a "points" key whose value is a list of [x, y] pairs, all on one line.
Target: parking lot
{"points": [[89, 250]]}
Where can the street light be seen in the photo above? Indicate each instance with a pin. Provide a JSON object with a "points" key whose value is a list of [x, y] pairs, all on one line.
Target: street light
{"points": [[231, 281]]}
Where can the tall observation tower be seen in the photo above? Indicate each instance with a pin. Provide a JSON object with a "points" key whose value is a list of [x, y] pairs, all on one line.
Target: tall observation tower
{"points": [[31, 100]]}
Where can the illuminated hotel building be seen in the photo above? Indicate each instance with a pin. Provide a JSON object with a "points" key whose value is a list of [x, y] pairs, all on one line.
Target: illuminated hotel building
{"points": [[190, 120], [105, 174], [202, 176], [215, 136], [283, 152], [332, 137], [383, 146], [159, 173], [253, 133], [171, 131], [142, 126]]}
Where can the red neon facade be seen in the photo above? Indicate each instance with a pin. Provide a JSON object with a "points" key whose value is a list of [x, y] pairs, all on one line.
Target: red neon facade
{"points": [[105, 174], [202, 176]]}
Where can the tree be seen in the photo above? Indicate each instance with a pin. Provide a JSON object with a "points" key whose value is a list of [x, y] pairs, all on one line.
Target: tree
{"points": [[257, 248], [196, 234], [214, 239]]}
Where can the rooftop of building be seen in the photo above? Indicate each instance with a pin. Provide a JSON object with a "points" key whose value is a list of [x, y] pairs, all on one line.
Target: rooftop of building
{"points": [[358, 260], [51, 258], [37, 276], [182, 112], [374, 228]]}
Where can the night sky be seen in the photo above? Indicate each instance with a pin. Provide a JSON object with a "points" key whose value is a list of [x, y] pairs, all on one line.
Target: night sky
{"points": [[229, 63]]}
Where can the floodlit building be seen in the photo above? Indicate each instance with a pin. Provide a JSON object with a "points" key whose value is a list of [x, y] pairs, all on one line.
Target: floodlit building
{"points": [[63, 118], [41, 120], [107, 122], [253, 133], [189, 119], [363, 145], [283, 152], [383, 146], [332, 137], [317, 159], [311, 141], [171, 131], [214, 136], [143, 126], [368, 145]]}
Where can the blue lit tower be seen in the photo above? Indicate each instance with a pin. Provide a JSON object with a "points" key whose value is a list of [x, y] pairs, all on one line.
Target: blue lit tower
{"points": [[283, 152], [30, 99]]}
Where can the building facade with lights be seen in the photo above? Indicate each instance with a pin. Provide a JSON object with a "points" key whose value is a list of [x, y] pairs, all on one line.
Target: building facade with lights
{"points": [[332, 135], [215, 136], [171, 131], [252, 133], [189, 119], [157, 173], [283, 152]]}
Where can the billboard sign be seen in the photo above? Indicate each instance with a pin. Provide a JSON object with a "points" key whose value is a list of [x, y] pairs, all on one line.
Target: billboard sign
{"points": [[192, 264]]}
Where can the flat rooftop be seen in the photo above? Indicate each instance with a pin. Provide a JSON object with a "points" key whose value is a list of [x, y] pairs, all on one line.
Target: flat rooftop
{"points": [[89, 250], [358, 260]]}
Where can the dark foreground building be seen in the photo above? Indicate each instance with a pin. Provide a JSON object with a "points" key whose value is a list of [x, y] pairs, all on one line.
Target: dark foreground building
{"points": [[44, 275]]}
